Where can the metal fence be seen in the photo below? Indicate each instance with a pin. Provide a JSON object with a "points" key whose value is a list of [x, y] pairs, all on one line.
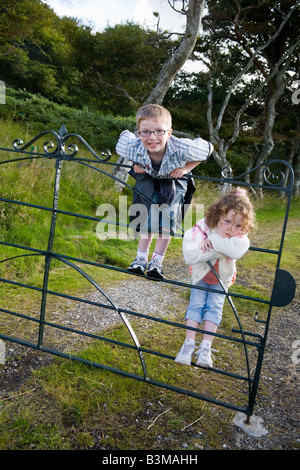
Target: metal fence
{"points": [[61, 148]]}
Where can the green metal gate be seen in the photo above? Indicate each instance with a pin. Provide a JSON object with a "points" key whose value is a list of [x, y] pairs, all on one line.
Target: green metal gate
{"points": [[58, 150]]}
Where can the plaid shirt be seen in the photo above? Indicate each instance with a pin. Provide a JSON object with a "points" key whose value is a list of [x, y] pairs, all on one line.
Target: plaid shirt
{"points": [[178, 152]]}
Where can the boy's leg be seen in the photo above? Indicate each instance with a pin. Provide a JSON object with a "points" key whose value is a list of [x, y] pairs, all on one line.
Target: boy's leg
{"points": [[145, 242], [164, 216], [140, 263], [155, 265]]}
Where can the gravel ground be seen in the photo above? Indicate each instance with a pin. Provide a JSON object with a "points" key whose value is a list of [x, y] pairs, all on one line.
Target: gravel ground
{"points": [[280, 372]]}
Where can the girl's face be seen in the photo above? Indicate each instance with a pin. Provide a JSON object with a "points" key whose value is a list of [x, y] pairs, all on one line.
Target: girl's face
{"points": [[230, 225], [155, 144]]}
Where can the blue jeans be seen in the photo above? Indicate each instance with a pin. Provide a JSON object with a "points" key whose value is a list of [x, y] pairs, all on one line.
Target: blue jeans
{"points": [[164, 216], [205, 305]]}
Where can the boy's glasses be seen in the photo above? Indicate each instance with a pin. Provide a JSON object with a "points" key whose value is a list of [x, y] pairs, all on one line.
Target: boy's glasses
{"points": [[148, 133]]}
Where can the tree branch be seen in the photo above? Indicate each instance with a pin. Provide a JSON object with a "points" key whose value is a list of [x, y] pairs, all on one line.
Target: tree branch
{"points": [[177, 60], [116, 90], [240, 38], [248, 66]]}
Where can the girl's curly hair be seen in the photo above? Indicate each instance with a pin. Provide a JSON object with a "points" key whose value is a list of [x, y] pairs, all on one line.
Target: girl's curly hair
{"points": [[237, 200]]}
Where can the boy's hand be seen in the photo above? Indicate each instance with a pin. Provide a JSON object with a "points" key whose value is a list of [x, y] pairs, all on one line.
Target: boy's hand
{"points": [[178, 172], [138, 169]]}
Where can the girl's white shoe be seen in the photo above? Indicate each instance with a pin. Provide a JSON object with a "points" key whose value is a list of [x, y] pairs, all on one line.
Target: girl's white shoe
{"points": [[185, 354], [203, 354]]}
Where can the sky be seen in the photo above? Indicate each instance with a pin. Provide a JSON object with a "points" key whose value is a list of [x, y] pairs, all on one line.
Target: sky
{"points": [[101, 13]]}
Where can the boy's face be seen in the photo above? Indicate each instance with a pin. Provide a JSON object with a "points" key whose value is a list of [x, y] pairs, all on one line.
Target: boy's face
{"points": [[154, 143], [230, 225]]}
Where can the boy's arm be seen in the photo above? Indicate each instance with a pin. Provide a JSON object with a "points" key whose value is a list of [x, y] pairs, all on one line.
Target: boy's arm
{"points": [[194, 149], [189, 153], [179, 172], [122, 144], [192, 153]]}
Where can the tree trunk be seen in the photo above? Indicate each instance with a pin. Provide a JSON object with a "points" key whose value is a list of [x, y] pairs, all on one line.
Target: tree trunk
{"points": [[170, 69], [268, 144], [174, 64]]}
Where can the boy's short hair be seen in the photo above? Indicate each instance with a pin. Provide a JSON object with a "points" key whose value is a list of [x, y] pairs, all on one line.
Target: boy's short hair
{"points": [[155, 112]]}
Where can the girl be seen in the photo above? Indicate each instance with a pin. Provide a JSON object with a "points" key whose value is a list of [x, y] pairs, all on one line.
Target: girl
{"points": [[220, 238]]}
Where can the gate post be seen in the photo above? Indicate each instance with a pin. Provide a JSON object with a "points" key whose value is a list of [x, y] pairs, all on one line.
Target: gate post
{"points": [[48, 256]]}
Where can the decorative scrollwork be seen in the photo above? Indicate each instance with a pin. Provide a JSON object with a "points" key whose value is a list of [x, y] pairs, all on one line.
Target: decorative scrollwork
{"points": [[72, 148], [276, 173], [274, 177], [106, 154], [227, 173], [17, 143], [48, 145], [62, 148]]}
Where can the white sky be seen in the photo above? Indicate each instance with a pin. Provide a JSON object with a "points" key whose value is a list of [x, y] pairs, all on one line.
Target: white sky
{"points": [[101, 13]]}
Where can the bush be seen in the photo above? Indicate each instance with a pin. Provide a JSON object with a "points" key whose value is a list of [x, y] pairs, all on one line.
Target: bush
{"points": [[39, 113]]}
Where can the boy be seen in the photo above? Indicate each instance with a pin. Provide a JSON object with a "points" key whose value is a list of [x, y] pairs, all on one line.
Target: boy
{"points": [[162, 164]]}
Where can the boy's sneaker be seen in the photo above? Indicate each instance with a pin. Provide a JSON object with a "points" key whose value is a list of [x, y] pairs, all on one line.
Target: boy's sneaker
{"points": [[138, 266], [155, 269], [185, 354], [204, 356]]}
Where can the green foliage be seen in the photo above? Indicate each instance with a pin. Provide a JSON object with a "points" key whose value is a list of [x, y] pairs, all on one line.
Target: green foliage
{"points": [[68, 63], [114, 71], [30, 44], [39, 113], [82, 190], [121, 66]]}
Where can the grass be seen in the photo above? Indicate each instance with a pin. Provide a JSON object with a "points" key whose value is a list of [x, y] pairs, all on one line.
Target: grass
{"points": [[82, 191], [68, 405]]}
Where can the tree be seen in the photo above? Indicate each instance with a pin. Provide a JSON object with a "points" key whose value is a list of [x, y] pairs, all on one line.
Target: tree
{"points": [[265, 58], [193, 10], [125, 66], [33, 50]]}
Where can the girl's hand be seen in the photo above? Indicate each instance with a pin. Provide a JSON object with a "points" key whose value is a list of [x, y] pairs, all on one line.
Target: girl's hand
{"points": [[206, 245]]}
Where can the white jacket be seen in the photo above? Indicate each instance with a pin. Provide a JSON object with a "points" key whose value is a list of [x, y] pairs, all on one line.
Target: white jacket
{"points": [[227, 250]]}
